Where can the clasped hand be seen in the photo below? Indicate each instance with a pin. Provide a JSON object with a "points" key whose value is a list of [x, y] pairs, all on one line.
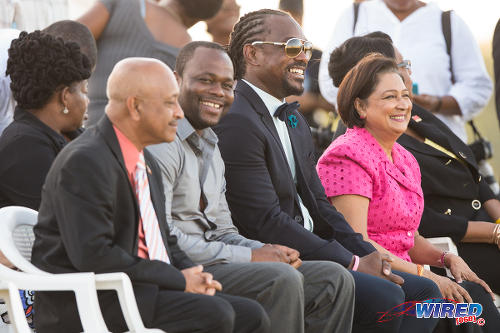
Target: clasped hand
{"points": [[199, 282], [277, 253]]}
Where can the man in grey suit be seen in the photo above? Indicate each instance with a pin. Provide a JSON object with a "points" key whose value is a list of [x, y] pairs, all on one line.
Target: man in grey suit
{"points": [[314, 296]]}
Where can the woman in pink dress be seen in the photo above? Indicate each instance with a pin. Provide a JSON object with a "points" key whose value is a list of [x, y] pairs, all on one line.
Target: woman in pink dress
{"points": [[375, 183]]}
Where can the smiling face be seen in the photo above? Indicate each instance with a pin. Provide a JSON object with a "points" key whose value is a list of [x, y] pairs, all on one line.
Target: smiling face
{"points": [[159, 108], [206, 87], [387, 110], [280, 75]]}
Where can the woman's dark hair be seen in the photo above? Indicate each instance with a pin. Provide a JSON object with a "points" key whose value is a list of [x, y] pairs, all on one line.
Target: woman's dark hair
{"points": [[347, 55], [247, 30], [360, 82], [40, 64]]}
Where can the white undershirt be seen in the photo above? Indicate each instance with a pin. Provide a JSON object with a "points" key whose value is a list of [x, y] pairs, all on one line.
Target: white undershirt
{"points": [[272, 103], [419, 38]]}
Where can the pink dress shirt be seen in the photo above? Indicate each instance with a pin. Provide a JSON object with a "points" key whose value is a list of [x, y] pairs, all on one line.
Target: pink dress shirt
{"points": [[131, 157], [356, 164]]}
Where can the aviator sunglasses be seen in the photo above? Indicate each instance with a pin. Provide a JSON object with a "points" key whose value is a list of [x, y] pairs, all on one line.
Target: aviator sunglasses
{"points": [[293, 47]]}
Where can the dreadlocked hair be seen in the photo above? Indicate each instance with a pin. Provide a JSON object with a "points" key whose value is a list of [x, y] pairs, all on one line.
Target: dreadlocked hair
{"points": [[39, 64], [246, 31]]}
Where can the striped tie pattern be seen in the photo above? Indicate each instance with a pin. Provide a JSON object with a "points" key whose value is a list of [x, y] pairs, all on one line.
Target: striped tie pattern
{"points": [[154, 241]]}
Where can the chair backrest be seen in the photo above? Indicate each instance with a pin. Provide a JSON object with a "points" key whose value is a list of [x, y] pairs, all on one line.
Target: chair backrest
{"points": [[16, 236]]}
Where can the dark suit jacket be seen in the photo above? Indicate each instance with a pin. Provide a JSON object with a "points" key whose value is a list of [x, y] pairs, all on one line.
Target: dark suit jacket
{"points": [[449, 185], [88, 221], [260, 189], [27, 149]]}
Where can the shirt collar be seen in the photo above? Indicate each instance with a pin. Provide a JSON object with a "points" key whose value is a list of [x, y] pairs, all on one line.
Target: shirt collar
{"points": [[129, 151], [185, 130], [271, 102], [22, 115]]}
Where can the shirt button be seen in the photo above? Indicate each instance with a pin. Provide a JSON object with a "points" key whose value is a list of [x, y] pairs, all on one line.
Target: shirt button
{"points": [[409, 233]]}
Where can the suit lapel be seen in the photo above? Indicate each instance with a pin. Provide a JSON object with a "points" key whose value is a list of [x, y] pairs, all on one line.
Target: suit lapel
{"points": [[105, 127], [446, 138], [258, 105]]}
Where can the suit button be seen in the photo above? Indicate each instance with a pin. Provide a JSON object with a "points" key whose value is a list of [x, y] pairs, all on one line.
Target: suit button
{"points": [[298, 218], [476, 204], [462, 154]]}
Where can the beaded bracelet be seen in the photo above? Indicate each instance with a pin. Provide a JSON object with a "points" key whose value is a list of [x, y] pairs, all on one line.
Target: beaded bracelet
{"points": [[420, 270]]}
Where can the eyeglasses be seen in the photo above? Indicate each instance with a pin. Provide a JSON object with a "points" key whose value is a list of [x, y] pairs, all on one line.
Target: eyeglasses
{"points": [[406, 64], [293, 47]]}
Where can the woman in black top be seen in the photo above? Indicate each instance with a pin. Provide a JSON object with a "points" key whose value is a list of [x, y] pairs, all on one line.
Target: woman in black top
{"points": [[49, 83]]}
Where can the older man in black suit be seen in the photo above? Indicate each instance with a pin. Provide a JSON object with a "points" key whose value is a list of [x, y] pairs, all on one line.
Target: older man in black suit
{"points": [[103, 210], [273, 190]]}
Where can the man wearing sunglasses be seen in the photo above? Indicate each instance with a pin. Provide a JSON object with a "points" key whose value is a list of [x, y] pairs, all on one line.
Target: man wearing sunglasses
{"points": [[273, 190]]}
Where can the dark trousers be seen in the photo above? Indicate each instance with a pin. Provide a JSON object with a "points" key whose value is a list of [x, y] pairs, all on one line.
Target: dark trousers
{"points": [[376, 296], [174, 311]]}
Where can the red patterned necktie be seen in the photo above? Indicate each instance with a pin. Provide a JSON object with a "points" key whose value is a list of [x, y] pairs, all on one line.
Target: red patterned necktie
{"points": [[152, 235]]}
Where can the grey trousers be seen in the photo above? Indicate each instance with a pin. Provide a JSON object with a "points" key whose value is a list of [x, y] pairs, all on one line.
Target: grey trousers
{"points": [[317, 297]]}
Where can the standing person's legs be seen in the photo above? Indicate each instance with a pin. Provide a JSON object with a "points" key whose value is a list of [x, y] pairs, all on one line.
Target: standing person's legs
{"points": [[329, 297], [278, 287]]}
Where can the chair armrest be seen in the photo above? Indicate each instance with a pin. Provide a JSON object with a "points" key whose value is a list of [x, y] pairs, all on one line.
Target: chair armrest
{"points": [[120, 282], [82, 284], [10, 294]]}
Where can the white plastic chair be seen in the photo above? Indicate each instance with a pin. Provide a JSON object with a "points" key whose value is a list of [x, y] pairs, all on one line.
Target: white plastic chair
{"points": [[16, 241], [10, 294]]}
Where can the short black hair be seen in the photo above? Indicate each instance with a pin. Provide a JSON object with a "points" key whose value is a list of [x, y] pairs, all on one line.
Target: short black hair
{"points": [[72, 31], [39, 64], [186, 53], [246, 31], [200, 9], [350, 52]]}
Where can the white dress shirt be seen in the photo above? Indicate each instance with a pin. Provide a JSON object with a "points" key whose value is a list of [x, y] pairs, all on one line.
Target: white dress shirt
{"points": [[419, 38], [272, 103]]}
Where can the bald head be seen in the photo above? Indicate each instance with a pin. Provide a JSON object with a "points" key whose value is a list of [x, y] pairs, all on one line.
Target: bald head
{"points": [[138, 77], [142, 94]]}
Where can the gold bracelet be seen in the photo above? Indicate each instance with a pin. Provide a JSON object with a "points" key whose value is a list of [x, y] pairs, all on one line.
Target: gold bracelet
{"points": [[420, 270], [497, 221]]}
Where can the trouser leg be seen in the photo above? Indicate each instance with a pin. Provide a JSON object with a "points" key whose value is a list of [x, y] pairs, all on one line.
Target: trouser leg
{"points": [[178, 311], [278, 287], [418, 288], [329, 297], [374, 297], [250, 316]]}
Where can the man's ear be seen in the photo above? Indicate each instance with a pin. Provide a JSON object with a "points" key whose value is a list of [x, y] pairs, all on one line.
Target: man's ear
{"points": [[133, 108], [251, 55]]}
